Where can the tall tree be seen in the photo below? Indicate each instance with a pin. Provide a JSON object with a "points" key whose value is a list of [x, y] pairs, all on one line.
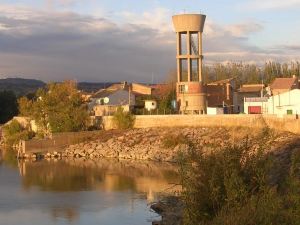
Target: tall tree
{"points": [[8, 106], [57, 108]]}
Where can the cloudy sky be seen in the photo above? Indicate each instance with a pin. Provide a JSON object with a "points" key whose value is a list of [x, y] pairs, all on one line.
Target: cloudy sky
{"points": [[114, 40]]}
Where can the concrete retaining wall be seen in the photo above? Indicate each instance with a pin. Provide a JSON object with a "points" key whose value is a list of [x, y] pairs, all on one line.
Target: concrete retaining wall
{"points": [[57, 142], [289, 123]]}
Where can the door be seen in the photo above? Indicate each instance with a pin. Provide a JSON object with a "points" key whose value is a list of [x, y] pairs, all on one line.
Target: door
{"points": [[254, 109]]}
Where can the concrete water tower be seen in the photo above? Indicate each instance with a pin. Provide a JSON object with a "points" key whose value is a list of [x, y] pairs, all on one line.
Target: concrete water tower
{"points": [[191, 95]]}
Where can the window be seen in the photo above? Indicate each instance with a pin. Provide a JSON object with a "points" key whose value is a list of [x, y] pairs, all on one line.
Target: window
{"points": [[183, 88], [194, 70], [183, 70], [194, 48], [183, 43]]}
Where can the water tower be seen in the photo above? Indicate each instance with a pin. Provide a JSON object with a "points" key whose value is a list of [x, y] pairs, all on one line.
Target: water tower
{"points": [[191, 95]]}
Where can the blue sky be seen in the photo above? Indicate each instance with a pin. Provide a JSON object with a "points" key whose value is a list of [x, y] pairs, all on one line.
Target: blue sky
{"points": [[98, 40]]}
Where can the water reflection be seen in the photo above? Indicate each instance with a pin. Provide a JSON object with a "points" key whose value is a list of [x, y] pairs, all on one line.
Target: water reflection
{"points": [[77, 191], [105, 175]]}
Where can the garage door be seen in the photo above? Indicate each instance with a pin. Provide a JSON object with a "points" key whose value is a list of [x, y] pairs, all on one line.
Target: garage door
{"points": [[254, 109]]}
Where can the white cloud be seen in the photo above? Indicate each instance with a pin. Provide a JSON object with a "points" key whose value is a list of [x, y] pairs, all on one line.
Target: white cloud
{"points": [[270, 4], [55, 45]]}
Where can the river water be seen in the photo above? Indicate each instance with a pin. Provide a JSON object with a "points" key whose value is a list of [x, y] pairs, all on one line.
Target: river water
{"points": [[82, 192]]}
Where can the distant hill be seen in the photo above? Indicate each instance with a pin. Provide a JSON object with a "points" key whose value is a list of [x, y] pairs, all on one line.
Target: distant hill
{"points": [[24, 86], [20, 86], [92, 87]]}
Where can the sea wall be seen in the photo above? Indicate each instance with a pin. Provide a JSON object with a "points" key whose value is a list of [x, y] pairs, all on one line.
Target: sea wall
{"points": [[288, 123]]}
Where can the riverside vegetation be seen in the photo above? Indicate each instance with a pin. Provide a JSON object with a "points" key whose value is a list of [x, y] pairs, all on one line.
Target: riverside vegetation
{"points": [[240, 185], [228, 175]]}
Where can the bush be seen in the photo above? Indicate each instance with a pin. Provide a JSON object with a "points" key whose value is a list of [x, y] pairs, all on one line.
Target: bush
{"points": [[14, 132], [232, 186], [123, 120]]}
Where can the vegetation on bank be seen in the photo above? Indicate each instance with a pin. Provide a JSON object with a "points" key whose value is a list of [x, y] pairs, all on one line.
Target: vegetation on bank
{"points": [[57, 108], [14, 132], [123, 120], [235, 186]]}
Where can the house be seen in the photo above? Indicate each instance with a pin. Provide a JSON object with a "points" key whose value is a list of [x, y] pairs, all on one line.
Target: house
{"points": [[106, 101], [281, 85], [286, 103], [248, 91], [221, 94]]}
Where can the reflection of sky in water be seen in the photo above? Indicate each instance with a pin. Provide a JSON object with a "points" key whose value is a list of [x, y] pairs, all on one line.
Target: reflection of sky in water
{"points": [[107, 197]]}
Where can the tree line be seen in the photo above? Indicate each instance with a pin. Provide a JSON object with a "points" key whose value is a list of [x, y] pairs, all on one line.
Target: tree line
{"points": [[250, 73]]}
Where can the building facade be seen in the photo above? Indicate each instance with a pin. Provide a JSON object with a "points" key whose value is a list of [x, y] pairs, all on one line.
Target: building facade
{"points": [[248, 91], [287, 103]]}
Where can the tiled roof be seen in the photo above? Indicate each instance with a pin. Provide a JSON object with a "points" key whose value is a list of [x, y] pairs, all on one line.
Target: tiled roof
{"points": [[218, 82], [110, 90], [250, 88], [284, 83]]}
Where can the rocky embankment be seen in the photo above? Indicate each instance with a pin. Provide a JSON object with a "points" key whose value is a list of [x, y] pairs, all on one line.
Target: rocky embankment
{"points": [[159, 144], [164, 144]]}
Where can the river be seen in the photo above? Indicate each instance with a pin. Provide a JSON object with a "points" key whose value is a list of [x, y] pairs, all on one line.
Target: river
{"points": [[82, 192]]}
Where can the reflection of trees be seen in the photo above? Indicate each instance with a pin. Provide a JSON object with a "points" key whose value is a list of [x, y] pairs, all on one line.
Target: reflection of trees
{"points": [[60, 176], [8, 156], [107, 175]]}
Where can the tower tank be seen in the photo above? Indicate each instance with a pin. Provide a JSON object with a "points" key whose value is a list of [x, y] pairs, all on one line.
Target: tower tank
{"points": [[191, 94]]}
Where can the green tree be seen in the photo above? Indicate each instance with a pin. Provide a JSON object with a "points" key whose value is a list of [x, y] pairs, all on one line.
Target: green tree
{"points": [[8, 106], [123, 120], [57, 108], [14, 132]]}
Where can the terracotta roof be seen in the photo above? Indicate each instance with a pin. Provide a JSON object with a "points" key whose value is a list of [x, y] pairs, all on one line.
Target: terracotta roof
{"points": [[221, 81], [137, 89], [284, 83], [250, 88]]}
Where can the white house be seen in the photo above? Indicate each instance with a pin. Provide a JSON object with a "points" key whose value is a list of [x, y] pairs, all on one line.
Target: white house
{"points": [[106, 101], [287, 103]]}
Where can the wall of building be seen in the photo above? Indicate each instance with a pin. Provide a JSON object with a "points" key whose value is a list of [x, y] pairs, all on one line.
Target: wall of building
{"points": [[242, 96], [287, 123], [264, 106], [106, 110], [214, 111], [280, 104]]}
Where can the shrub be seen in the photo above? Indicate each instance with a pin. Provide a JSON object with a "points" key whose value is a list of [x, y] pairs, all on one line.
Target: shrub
{"points": [[231, 187], [14, 132], [123, 120]]}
